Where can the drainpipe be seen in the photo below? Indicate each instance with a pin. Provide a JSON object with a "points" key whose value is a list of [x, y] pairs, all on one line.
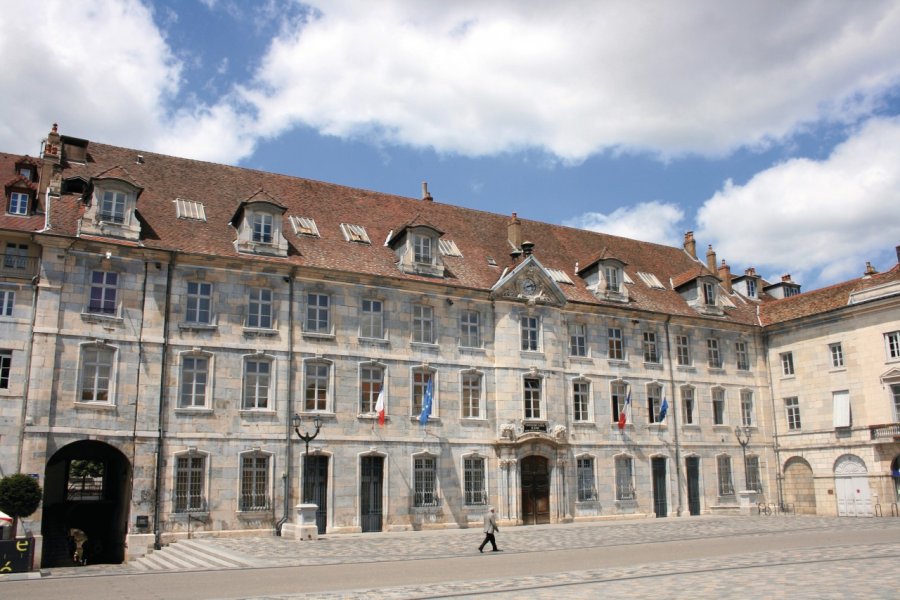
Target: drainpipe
{"points": [[288, 411], [140, 362], [170, 267], [778, 479], [25, 385], [674, 410]]}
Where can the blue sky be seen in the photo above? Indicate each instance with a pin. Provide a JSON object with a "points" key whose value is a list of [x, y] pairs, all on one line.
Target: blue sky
{"points": [[770, 129]]}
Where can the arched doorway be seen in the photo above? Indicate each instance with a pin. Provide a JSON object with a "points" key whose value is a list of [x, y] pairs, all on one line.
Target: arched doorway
{"points": [[535, 490], [798, 486], [87, 486], [851, 483]]}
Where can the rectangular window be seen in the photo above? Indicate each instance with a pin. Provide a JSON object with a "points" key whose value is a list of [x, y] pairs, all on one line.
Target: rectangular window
{"points": [[7, 301], [423, 324], [199, 302], [316, 397], [371, 380], [96, 370], [581, 401], [687, 405], [842, 415], [256, 384], [420, 385], [654, 403], [16, 256], [422, 249], [683, 350], [709, 294], [792, 408], [18, 203], [254, 482], [892, 344], [616, 346], [624, 478], [112, 207], [895, 392], [577, 339], [262, 224], [259, 309], [471, 395], [318, 313], [424, 481], [837, 355], [751, 288], [476, 492], [751, 473], [584, 470], [713, 357], [530, 333], [103, 292], [718, 406], [189, 483], [612, 279], [743, 357], [726, 485], [194, 378], [787, 363], [618, 395], [532, 398], [651, 348], [5, 367], [747, 408], [470, 329], [372, 320]]}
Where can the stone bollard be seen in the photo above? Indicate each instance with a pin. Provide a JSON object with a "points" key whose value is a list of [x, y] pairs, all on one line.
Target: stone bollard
{"points": [[304, 527], [747, 500]]}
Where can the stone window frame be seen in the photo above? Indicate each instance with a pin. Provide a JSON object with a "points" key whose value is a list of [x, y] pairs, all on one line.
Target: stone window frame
{"points": [[372, 365], [583, 492], [792, 413], [619, 389], [688, 398], [313, 313], [318, 362], [742, 355], [112, 364], [587, 396], [469, 489], [623, 476], [423, 324], [371, 315], [724, 475], [530, 333], [578, 339], [210, 380], [718, 405], [7, 302], [748, 408], [426, 489], [259, 357], [529, 398], [205, 472], [655, 392], [464, 375], [270, 302], [469, 330], [198, 297], [268, 470], [21, 201], [426, 371]]}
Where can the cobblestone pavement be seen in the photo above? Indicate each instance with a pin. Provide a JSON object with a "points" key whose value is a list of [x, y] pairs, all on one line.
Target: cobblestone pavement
{"points": [[849, 571]]}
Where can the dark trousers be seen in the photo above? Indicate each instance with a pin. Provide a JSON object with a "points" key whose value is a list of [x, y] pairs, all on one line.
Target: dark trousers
{"points": [[488, 537]]}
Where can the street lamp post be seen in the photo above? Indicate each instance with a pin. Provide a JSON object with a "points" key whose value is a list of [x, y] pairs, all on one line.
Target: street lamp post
{"points": [[296, 420], [743, 437]]}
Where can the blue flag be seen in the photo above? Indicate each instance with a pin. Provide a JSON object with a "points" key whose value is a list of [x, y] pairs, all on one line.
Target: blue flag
{"points": [[662, 411], [426, 404]]}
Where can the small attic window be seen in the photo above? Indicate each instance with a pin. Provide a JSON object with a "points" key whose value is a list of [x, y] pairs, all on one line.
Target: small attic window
{"points": [[491, 261], [651, 280], [626, 278], [188, 209], [560, 276], [304, 226], [449, 248], [355, 233], [26, 172]]}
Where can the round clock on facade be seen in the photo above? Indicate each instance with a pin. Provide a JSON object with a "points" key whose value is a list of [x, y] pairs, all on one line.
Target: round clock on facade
{"points": [[529, 287]]}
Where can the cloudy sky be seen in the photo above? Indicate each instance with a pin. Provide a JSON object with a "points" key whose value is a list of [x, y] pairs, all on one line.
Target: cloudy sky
{"points": [[769, 128]]}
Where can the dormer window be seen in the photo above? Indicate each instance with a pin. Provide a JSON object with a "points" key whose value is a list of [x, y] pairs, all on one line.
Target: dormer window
{"points": [[355, 233], [112, 206], [613, 278], [422, 249], [304, 226], [262, 224], [27, 173], [709, 293], [418, 250], [18, 203], [751, 288]]}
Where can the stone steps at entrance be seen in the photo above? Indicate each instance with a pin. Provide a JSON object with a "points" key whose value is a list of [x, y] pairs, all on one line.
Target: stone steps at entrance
{"points": [[187, 555]]}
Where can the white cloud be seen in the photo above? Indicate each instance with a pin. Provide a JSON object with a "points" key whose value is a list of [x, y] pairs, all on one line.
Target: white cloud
{"points": [[822, 219], [654, 221]]}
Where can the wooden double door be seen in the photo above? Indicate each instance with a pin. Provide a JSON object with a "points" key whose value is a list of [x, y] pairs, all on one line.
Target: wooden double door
{"points": [[535, 478]]}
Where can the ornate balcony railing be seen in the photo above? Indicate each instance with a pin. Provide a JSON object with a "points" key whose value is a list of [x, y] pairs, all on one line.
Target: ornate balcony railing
{"points": [[21, 267], [887, 432]]}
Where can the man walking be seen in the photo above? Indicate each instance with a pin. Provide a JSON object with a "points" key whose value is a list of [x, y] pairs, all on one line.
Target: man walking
{"points": [[490, 526]]}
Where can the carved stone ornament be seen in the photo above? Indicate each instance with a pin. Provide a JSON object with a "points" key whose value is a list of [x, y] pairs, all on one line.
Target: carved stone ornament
{"points": [[559, 432]]}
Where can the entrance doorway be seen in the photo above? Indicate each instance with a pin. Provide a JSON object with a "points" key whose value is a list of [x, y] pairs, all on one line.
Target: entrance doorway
{"points": [[535, 490], [693, 484], [315, 486], [799, 488], [370, 486], [851, 484], [87, 487], [660, 504]]}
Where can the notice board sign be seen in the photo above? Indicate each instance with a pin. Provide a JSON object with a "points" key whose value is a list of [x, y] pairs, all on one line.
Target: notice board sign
{"points": [[16, 555]]}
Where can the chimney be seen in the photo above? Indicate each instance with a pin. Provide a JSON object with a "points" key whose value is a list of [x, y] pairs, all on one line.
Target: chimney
{"points": [[514, 231], [527, 248], [425, 195], [52, 145], [711, 259], [49, 176], [750, 272], [870, 270], [725, 276], [898, 254], [786, 278], [690, 246]]}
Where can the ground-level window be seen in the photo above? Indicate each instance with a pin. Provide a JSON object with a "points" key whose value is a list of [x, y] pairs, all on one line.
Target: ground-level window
{"points": [[476, 492], [254, 482], [425, 481], [624, 478], [751, 468], [587, 489], [726, 485], [190, 486]]}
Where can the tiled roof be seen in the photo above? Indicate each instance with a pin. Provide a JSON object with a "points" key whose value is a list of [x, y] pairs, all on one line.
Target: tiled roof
{"points": [[822, 300], [479, 235]]}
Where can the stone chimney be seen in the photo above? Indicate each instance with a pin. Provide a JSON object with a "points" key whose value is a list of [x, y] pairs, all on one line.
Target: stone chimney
{"points": [[426, 196], [898, 254], [49, 176], [690, 246], [527, 248], [870, 270], [514, 231], [711, 259], [725, 276], [786, 278]]}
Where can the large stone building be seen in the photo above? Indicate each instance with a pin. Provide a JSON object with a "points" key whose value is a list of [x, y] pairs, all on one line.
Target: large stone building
{"points": [[166, 321]]}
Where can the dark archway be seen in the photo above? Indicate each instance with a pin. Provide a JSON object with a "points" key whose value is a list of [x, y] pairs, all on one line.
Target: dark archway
{"points": [[87, 487]]}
